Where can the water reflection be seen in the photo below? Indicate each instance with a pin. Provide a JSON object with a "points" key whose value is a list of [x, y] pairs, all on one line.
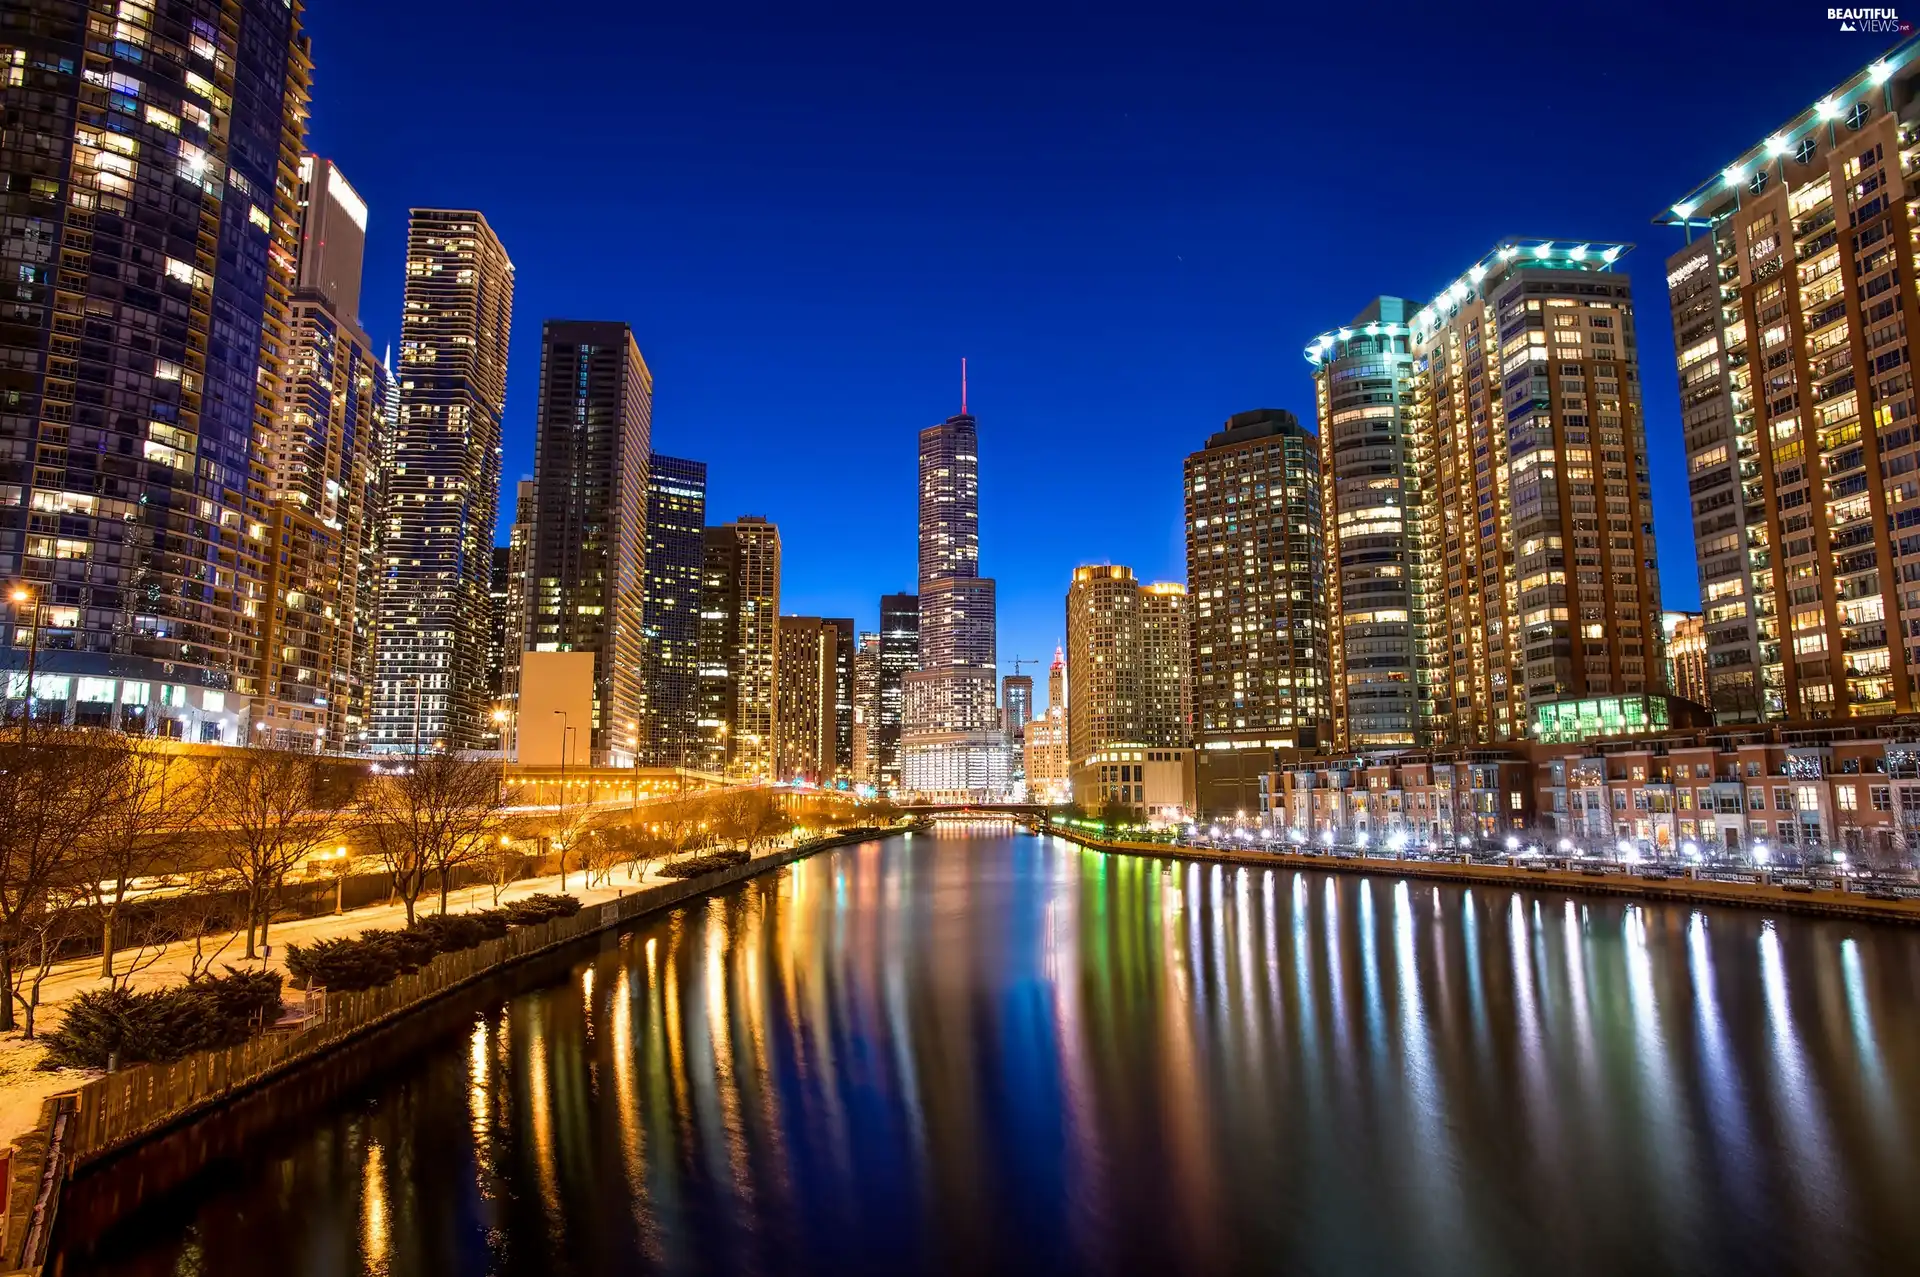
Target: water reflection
{"points": [[996, 1053]]}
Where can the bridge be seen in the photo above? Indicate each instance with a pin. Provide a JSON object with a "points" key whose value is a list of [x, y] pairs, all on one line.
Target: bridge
{"points": [[1037, 810]]}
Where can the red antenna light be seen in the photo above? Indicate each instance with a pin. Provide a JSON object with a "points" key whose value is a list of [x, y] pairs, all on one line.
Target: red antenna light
{"points": [[963, 385]]}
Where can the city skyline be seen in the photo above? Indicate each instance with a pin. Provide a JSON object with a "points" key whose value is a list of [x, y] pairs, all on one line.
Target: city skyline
{"points": [[1188, 343]]}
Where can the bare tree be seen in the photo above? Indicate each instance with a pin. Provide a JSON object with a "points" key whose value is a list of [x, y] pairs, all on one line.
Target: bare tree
{"points": [[567, 828], [735, 813], [270, 812], [51, 802], [427, 822], [52, 922], [153, 798], [770, 822]]}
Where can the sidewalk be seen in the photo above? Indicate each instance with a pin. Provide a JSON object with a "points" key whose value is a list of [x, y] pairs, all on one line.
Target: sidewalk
{"points": [[23, 1085]]}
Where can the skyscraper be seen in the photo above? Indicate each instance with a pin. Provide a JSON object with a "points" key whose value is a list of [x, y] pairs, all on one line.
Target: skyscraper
{"points": [[952, 745], [739, 616], [844, 653], [1016, 703], [1127, 661], [1545, 589], [1794, 329], [1374, 478], [1255, 567], [500, 593], [150, 160], [805, 724], [320, 462], [1129, 703], [513, 613], [669, 685], [866, 706], [587, 564], [899, 657], [444, 485]]}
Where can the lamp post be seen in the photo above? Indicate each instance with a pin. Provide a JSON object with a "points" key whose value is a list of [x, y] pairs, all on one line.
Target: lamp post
{"points": [[339, 868], [565, 727], [20, 595]]}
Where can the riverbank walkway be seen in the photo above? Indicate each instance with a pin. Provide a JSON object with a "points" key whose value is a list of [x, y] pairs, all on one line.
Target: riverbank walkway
{"points": [[24, 1085]]}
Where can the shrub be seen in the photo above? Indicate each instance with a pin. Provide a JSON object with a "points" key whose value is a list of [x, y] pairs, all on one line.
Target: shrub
{"points": [[411, 949], [344, 965], [540, 907], [451, 932], [704, 864], [163, 1024], [492, 923]]}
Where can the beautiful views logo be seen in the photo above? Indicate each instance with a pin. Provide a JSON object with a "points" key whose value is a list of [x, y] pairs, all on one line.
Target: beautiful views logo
{"points": [[1870, 21]]}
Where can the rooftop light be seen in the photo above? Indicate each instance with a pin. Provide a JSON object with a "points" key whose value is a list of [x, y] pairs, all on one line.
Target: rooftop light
{"points": [[1734, 173], [1684, 209], [1879, 73], [1610, 254], [1776, 145], [1827, 109], [1578, 253], [1543, 250], [1478, 273]]}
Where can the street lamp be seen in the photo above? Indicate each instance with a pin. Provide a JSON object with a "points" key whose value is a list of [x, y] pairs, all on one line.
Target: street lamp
{"points": [[337, 866], [21, 595]]}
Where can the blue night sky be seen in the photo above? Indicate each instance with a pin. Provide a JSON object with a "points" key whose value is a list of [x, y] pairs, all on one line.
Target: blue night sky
{"points": [[1129, 221]]}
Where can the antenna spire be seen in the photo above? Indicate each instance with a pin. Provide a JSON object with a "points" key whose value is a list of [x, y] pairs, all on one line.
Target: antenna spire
{"points": [[963, 385]]}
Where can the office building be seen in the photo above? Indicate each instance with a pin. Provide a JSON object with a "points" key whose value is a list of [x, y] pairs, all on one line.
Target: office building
{"points": [[807, 686], [899, 657], [1128, 689], [150, 162], [1044, 742], [1374, 476], [952, 745], [670, 677], [586, 564], [1016, 704], [443, 486], [845, 653], [1686, 655], [866, 707], [320, 463], [1793, 312], [739, 617]]}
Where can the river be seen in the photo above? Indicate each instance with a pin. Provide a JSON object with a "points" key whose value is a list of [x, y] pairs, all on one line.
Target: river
{"points": [[979, 1051]]}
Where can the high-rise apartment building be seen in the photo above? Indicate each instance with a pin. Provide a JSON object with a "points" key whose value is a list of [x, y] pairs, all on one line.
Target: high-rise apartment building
{"points": [[1126, 661], [899, 657], [513, 614], [1545, 588], [1686, 655], [1255, 569], [323, 487], [807, 685], [1128, 703], [670, 669], [1537, 606], [952, 744], [500, 623], [845, 654], [443, 487], [1374, 479], [1794, 315], [586, 566], [739, 617], [150, 160], [866, 706]]}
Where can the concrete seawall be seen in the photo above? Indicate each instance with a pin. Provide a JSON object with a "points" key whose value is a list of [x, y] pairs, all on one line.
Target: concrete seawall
{"points": [[1699, 891]]}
